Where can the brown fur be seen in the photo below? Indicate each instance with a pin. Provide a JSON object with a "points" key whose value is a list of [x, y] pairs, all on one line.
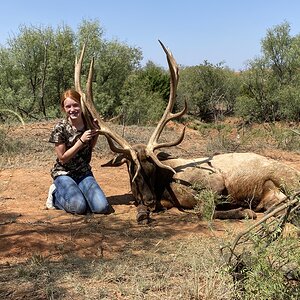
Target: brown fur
{"points": [[248, 179]]}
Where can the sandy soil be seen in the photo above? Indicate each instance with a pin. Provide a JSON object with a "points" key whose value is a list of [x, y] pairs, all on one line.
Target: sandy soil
{"points": [[27, 228]]}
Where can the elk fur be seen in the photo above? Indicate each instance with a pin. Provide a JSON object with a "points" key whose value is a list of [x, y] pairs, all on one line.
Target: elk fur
{"points": [[247, 180]]}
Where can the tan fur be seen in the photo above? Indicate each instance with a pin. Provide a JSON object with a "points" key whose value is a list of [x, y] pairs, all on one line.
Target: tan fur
{"points": [[251, 180]]}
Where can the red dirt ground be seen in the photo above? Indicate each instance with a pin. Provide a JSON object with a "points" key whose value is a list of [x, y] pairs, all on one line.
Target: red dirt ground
{"points": [[27, 228]]}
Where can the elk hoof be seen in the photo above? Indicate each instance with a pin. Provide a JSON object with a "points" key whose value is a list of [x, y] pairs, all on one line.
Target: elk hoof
{"points": [[142, 217], [249, 214], [144, 222]]}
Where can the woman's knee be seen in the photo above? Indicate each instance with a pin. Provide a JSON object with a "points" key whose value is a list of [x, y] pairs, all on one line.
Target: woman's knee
{"points": [[94, 195], [76, 206], [68, 196], [101, 207]]}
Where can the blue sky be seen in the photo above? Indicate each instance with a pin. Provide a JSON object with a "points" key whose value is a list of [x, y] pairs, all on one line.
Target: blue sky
{"points": [[194, 30]]}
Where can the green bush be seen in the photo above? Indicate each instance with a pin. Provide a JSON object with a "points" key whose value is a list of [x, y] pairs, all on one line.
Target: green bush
{"points": [[271, 272]]}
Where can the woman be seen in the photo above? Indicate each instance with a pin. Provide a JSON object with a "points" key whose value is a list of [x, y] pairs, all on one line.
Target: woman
{"points": [[75, 189]]}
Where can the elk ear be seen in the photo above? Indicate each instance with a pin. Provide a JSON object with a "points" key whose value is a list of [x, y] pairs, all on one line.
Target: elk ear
{"points": [[163, 155], [117, 161]]}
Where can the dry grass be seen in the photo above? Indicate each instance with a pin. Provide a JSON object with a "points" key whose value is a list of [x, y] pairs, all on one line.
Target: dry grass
{"points": [[185, 269], [207, 139], [150, 264]]}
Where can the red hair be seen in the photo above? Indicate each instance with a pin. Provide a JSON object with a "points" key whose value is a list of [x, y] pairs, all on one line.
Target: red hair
{"points": [[70, 93]]}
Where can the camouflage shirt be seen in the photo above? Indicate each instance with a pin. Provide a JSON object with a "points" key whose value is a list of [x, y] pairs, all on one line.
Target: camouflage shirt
{"points": [[79, 165]]}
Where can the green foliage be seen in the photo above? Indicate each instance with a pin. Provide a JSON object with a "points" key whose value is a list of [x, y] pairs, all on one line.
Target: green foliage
{"points": [[8, 111], [206, 203], [255, 102], [117, 63], [143, 96], [264, 259], [268, 271], [38, 65], [157, 80], [210, 90], [60, 67], [30, 55], [139, 105], [246, 108], [33, 72], [91, 32], [282, 53], [271, 83], [284, 138], [289, 101]]}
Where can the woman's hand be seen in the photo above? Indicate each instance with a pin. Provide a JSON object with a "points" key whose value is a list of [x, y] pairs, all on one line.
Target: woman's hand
{"points": [[88, 135]]}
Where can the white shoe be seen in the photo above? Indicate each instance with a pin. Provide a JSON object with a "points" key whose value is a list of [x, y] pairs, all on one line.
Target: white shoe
{"points": [[49, 202]]}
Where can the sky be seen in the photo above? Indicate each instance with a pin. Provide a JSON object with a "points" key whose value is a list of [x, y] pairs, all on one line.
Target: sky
{"points": [[228, 31]]}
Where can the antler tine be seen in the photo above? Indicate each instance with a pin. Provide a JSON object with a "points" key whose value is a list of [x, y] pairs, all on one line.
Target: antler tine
{"points": [[89, 90], [168, 115], [174, 77], [78, 65], [77, 80], [91, 113], [88, 103]]}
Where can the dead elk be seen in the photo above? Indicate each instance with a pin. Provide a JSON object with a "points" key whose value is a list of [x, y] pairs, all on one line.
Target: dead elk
{"points": [[249, 182]]}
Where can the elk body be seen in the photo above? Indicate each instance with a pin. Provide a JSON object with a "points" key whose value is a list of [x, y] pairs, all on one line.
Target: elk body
{"points": [[246, 181]]}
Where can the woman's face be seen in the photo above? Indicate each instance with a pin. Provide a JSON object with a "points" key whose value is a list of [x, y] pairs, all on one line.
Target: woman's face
{"points": [[72, 109]]}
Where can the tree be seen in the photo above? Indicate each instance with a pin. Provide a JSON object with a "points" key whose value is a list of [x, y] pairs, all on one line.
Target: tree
{"points": [[61, 66], [210, 90], [282, 53], [271, 81], [157, 79], [140, 105], [9, 83], [29, 54], [116, 62], [38, 65], [253, 104]]}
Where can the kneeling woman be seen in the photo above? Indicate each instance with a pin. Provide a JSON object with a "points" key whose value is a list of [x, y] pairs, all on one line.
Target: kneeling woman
{"points": [[75, 189]]}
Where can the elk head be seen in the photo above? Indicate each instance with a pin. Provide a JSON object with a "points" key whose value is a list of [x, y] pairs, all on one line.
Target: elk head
{"points": [[146, 169]]}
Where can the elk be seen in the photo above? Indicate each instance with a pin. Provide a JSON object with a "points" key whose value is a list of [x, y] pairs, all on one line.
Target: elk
{"points": [[249, 182]]}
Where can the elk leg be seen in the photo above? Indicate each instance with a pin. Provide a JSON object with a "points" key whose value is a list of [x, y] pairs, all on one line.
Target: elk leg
{"points": [[142, 216], [271, 196], [167, 204], [178, 195], [237, 213]]}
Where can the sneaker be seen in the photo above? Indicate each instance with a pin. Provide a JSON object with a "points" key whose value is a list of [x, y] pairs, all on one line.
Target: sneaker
{"points": [[49, 202]]}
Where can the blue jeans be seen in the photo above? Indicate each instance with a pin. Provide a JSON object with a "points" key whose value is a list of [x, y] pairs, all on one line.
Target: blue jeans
{"points": [[79, 196]]}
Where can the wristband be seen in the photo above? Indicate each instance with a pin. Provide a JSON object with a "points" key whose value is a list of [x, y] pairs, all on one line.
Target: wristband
{"points": [[81, 141]]}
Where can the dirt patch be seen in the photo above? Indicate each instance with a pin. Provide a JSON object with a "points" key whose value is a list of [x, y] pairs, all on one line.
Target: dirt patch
{"points": [[29, 231], [27, 228]]}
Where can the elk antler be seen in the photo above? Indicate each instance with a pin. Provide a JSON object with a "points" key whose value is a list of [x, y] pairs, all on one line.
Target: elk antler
{"points": [[168, 115], [90, 113]]}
